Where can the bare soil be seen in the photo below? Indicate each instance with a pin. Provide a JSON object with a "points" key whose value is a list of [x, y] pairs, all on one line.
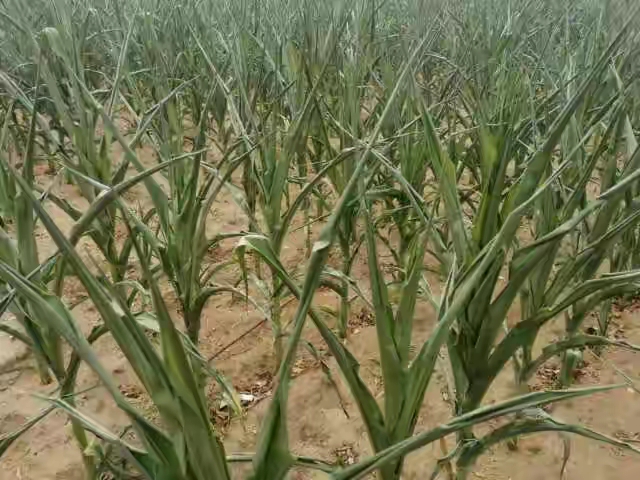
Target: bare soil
{"points": [[323, 422]]}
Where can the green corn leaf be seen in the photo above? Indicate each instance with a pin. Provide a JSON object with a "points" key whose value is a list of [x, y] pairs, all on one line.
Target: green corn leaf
{"points": [[390, 361], [445, 173], [51, 307], [494, 167], [139, 458], [591, 293], [524, 262], [129, 336], [188, 403], [8, 249], [535, 421], [304, 193], [150, 322], [518, 404], [111, 195], [577, 341]]}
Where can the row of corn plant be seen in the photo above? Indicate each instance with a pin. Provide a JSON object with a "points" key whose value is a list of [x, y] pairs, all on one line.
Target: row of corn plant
{"points": [[99, 187], [189, 447], [469, 301], [280, 122]]}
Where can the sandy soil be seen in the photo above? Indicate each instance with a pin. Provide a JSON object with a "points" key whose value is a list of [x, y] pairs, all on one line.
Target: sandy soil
{"points": [[323, 421]]}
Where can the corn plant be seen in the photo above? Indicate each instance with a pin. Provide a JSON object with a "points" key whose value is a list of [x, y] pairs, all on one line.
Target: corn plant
{"points": [[281, 145]]}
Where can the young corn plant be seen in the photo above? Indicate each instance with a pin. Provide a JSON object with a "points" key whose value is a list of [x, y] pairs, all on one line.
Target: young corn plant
{"points": [[7, 187], [88, 159], [83, 148], [102, 196], [276, 133], [22, 251], [192, 187], [348, 128]]}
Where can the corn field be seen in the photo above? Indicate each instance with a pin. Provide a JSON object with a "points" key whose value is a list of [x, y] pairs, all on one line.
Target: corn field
{"points": [[450, 179]]}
